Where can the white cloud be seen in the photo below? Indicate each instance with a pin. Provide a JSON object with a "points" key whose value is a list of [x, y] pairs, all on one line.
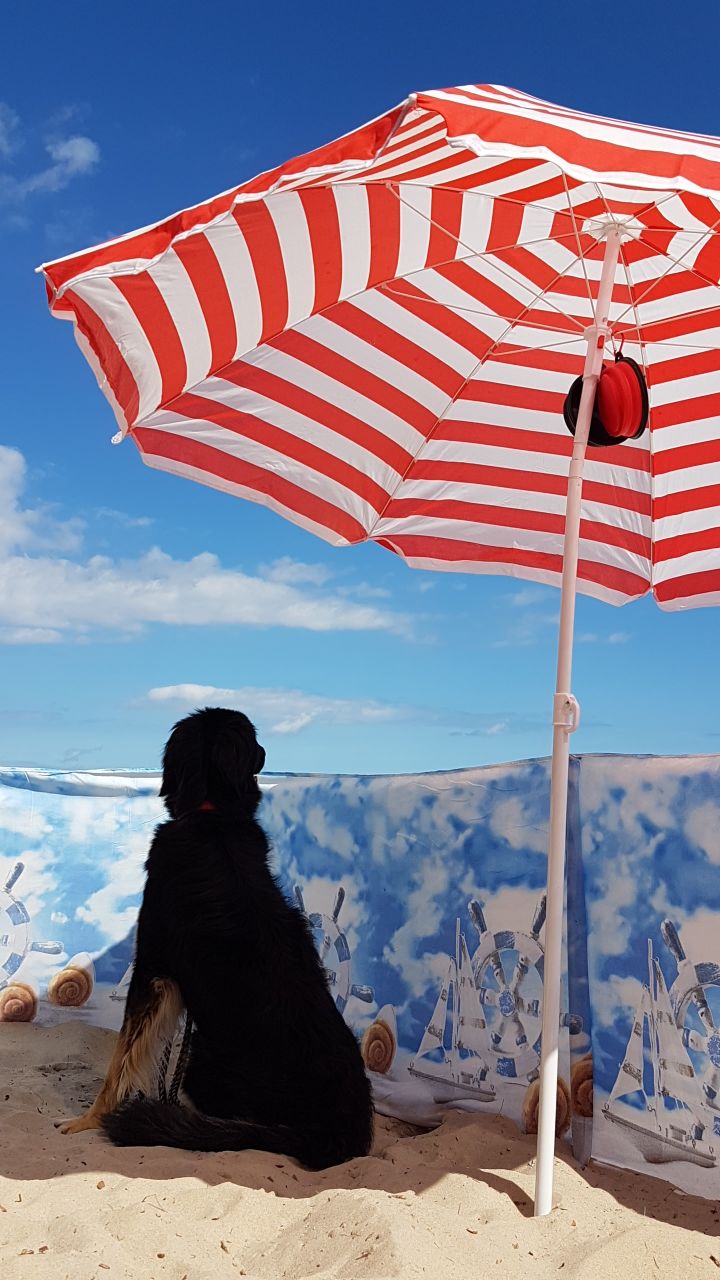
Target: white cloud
{"points": [[510, 821], [29, 635], [283, 711], [9, 122], [609, 916], [615, 998], [130, 832], [122, 517], [44, 598], [703, 828], [329, 834], [25, 528], [483, 731], [526, 596], [425, 905], [21, 821], [649, 792], [493, 729], [364, 591], [530, 629], [70, 157], [295, 572], [124, 596], [698, 934], [293, 724]]}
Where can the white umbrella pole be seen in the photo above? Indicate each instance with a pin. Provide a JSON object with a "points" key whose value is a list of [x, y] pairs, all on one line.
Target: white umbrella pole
{"points": [[566, 715]]}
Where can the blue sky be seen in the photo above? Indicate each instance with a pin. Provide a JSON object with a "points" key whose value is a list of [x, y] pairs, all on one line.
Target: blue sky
{"points": [[111, 120]]}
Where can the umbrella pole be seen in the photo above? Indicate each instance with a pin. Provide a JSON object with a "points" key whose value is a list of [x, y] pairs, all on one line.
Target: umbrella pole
{"points": [[566, 716]]}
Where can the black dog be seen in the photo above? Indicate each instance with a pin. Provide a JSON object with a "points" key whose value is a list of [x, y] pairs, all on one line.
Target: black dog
{"points": [[272, 1064]]}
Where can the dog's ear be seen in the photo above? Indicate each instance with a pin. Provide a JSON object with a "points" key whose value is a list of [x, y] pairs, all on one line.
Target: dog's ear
{"points": [[185, 775], [236, 756]]}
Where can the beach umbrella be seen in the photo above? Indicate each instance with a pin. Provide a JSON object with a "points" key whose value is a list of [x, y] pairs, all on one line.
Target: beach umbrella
{"points": [[394, 338]]}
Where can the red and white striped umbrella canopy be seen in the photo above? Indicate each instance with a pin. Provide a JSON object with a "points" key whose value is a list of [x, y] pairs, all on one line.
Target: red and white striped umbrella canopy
{"points": [[376, 340]]}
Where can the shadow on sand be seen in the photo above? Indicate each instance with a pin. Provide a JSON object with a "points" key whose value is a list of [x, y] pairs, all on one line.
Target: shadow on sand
{"points": [[487, 1149]]}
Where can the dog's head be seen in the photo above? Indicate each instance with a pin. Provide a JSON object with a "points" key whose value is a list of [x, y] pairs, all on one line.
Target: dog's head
{"points": [[212, 758]]}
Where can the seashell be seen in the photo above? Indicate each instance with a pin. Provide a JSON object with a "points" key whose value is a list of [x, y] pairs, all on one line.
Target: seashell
{"points": [[581, 1085], [387, 1015], [531, 1107], [18, 1003], [72, 986], [379, 1043]]}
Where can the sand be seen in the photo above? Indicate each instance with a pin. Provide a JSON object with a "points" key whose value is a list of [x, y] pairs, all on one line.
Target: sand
{"points": [[452, 1202]]}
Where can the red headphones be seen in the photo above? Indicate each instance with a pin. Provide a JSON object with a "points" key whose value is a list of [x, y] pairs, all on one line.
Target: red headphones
{"points": [[621, 407]]}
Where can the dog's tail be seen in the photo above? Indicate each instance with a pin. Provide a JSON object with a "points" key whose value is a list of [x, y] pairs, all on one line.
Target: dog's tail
{"points": [[146, 1122]]}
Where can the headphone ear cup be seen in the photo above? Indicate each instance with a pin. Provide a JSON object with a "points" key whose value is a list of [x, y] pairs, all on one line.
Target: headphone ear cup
{"points": [[598, 436], [571, 405], [644, 412], [620, 401], [621, 409]]}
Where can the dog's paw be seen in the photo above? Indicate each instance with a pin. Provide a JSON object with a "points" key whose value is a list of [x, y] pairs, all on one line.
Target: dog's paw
{"points": [[80, 1124]]}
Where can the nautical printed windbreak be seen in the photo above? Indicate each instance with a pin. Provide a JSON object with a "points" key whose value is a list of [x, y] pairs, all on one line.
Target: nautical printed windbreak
{"points": [[376, 340], [426, 897]]}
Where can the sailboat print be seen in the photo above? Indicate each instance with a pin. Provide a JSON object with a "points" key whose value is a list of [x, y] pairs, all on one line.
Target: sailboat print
{"points": [[460, 1069], [671, 1126]]}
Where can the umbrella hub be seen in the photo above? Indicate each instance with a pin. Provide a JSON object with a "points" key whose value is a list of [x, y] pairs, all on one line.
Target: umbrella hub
{"points": [[607, 224]]}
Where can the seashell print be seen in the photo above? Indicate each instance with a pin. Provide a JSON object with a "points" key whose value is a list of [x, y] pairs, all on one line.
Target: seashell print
{"points": [[531, 1107], [379, 1043], [18, 1003], [72, 986], [581, 1085]]}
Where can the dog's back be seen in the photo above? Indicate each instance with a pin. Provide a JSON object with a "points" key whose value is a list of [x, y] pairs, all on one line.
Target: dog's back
{"points": [[272, 1063]]}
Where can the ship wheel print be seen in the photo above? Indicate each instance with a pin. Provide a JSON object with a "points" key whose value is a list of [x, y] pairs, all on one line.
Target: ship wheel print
{"points": [[695, 1000], [15, 931], [332, 947], [508, 970]]}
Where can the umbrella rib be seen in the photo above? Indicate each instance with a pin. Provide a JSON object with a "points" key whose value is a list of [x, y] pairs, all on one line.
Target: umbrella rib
{"points": [[683, 346], [382, 286], [676, 262], [477, 253], [650, 324], [489, 254], [474, 311], [465, 191], [577, 238], [547, 346], [468, 378], [629, 282], [686, 315]]}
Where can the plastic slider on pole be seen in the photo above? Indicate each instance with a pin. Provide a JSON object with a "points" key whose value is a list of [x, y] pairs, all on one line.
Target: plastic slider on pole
{"points": [[566, 712]]}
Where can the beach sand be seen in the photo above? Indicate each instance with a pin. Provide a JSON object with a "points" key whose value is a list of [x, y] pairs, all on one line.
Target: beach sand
{"points": [[456, 1201]]}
